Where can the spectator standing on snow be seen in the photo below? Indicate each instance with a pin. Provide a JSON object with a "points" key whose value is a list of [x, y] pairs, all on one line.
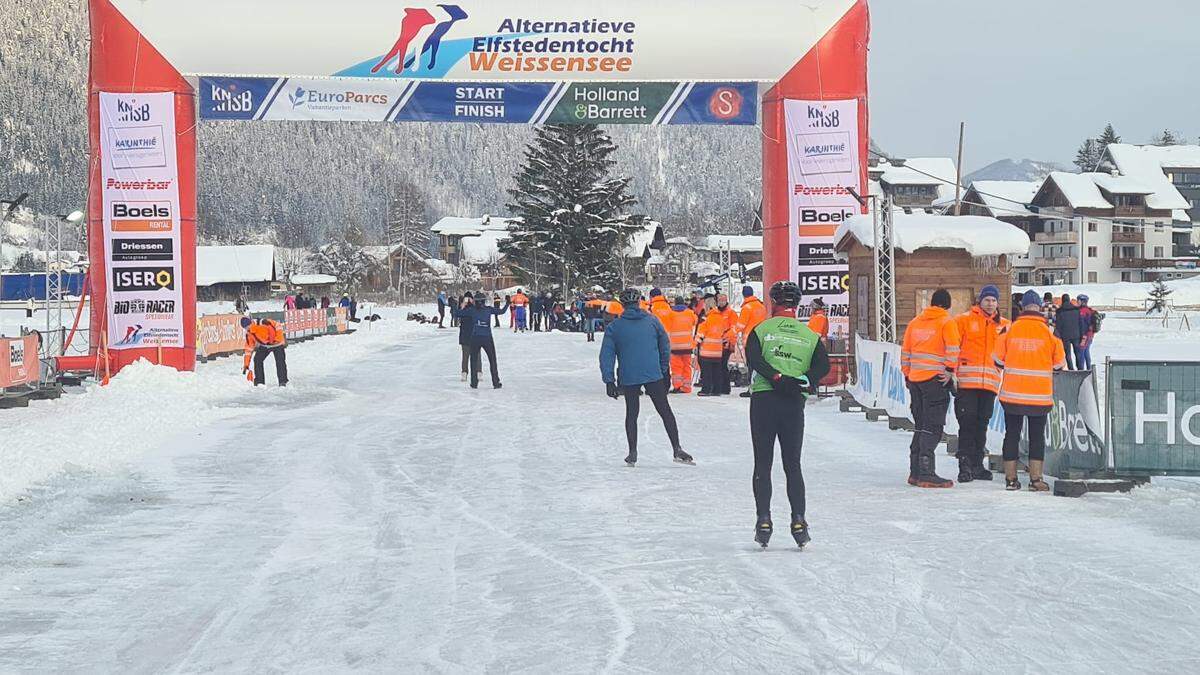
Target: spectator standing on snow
{"points": [[496, 304], [1028, 354], [1067, 327], [730, 318], [442, 301], [325, 302], [639, 344], [466, 328], [928, 359], [1049, 309], [978, 382], [289, 302], [1089, 325], [241, 307]]}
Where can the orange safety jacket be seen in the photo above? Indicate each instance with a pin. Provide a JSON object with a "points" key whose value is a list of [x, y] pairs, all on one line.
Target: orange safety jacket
{"points": [[660, 308], [264, 333], [819, 323], [681, 328], [753, 313], [931, 346], [520, 300], [714, 334], [731, 320], [615, 308], [1029, 354], [976, 368]]}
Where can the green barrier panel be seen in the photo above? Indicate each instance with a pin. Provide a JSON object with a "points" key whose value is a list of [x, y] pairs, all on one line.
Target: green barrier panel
{"points": [[1154, 417]]}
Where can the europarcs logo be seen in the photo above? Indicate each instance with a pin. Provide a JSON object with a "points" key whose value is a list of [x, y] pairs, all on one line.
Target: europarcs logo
{"points": [[331, 100]]}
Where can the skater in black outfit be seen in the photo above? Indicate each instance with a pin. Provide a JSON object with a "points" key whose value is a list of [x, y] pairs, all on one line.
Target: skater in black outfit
{"points": [[463, 317], [782, 376], [640, 343], [479, 315]]}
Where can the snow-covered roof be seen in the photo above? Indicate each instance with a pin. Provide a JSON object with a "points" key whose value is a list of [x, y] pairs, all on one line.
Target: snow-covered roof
{"points": [[441, 268], [978, 235], [1122, 185], [313, 279], [936, 171], [645, 239], [234, 264], [1079, 189], [1006, 197], [1146, 163], [743, 243], [483, 247], [458, 226]]}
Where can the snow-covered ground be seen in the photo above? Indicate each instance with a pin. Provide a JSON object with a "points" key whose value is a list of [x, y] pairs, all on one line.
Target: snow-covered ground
{"points": [[1185, 292], [379, 515]]}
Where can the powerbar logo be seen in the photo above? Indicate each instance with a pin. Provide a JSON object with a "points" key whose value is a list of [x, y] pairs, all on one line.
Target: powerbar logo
{"points": [[821, 191], [138, 279], [127, 307], [137, 185]]}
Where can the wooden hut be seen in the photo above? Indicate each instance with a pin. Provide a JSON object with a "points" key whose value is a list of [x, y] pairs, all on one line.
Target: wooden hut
{"points": [[959, 253]]}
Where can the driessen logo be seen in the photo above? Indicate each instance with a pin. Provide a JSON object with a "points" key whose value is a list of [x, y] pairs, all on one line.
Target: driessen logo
{"points": [[129, 110], [137, 279], [142, 250], [231, 99], [415, 20], [338, 100], [141, 217]]}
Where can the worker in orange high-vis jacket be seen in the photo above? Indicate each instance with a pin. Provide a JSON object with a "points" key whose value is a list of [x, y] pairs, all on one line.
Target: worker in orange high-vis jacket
{"points": [[1028, 353], [265, 337], [753, 313], [520, 305], [659, 306], [978, 382], [715, 337], [731, 324], [818, 322], [928, 359], [681, 329]]}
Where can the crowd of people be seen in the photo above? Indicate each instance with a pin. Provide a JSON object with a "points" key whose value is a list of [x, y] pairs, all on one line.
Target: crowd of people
{"points": [[1075, 323]]}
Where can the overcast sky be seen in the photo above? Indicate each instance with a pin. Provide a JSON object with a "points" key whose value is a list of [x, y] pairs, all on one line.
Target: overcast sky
{"points": [[1031, 78]]}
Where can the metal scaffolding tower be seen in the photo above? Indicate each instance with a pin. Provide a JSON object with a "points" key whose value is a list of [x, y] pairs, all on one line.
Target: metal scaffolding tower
{"points": [[53, 337], [885, 271]]}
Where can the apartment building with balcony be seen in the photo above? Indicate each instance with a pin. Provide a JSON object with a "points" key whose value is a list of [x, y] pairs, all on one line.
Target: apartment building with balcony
{"points": [[1099, 228], [916, 184], [1007, 201], [1174, 173]]}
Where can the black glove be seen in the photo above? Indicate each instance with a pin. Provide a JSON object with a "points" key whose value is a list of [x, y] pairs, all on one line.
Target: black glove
{"points": [[245, 370], [788, 386], [613, 391]]}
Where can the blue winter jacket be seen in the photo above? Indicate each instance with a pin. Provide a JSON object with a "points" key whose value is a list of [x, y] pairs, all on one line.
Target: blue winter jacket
{"points": [[640, 343], [480, 317]]}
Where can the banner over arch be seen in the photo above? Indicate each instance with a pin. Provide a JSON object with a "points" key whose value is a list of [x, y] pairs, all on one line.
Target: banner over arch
{"points": [[142, 111]]}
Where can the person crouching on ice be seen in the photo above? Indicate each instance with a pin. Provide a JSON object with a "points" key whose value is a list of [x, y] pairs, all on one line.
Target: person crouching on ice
{"points": [[265, 337], [640, 344]]}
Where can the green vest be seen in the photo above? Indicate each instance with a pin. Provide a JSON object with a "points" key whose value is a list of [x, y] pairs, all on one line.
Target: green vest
{"points": [[787, 345]]}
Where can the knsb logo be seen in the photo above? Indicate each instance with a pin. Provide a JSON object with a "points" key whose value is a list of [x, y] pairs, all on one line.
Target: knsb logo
{"points": [[129, 110], [141, 217], [141, 279], [725, 103], [231, 100], [415, 20]]}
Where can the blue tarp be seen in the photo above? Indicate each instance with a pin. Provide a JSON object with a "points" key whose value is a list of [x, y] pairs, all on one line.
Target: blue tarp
{"points": [[25, 286]]}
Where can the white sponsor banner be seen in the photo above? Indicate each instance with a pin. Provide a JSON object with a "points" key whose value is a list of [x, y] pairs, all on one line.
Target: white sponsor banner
{"points": [[823, 175], [140, 194], [515, 40]]}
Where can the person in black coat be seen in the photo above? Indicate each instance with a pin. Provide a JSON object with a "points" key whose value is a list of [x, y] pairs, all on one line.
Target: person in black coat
{"points": [[1066, 326], [465, 328]]}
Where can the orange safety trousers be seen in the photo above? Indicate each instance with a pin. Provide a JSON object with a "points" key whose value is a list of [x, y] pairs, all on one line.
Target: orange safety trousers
{"points": [[681, 372]]}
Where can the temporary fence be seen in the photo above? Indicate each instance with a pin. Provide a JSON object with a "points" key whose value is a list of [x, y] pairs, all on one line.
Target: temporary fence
{"points": [[1154, 416], [220, 334]]}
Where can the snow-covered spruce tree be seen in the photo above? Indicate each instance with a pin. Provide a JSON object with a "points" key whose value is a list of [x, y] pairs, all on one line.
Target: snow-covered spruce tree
{"points": [[407, 228], [1107, 138], [575, 219], [1167, 137], [1157, 300], [1088, 156], [346, 260]]}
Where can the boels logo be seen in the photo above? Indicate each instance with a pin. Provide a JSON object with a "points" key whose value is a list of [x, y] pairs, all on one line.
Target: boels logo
{"points": [[141, 216], [142, 279], [416, 19]]}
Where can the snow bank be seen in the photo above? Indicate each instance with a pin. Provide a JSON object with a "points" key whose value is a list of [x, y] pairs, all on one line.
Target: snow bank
{"points": [[1126, 294], [106, 429], [978, 235]]}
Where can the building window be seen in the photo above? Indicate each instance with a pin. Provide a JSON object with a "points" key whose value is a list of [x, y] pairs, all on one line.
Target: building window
{"points": [[1092, 278], [1158, 251], [1022, 278], [1091, 227], [1127, 200], [1092, 252], [1126, 276]]}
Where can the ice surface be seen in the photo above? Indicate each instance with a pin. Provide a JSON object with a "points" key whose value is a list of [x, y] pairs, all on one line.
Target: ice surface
{"points": [[380, 516]]}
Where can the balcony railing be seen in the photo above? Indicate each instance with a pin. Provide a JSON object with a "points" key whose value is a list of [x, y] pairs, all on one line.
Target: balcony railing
{"points": [[1141, 263], [1055, 263], [1050, 237], [1138, 237], [1125, 211]]}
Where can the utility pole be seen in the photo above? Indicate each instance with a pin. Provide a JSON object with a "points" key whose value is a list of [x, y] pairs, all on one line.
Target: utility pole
{"points": [[962, 130]]}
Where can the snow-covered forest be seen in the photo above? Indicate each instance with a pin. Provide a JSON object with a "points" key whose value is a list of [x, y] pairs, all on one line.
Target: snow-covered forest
{"points": [[311, 180]]}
